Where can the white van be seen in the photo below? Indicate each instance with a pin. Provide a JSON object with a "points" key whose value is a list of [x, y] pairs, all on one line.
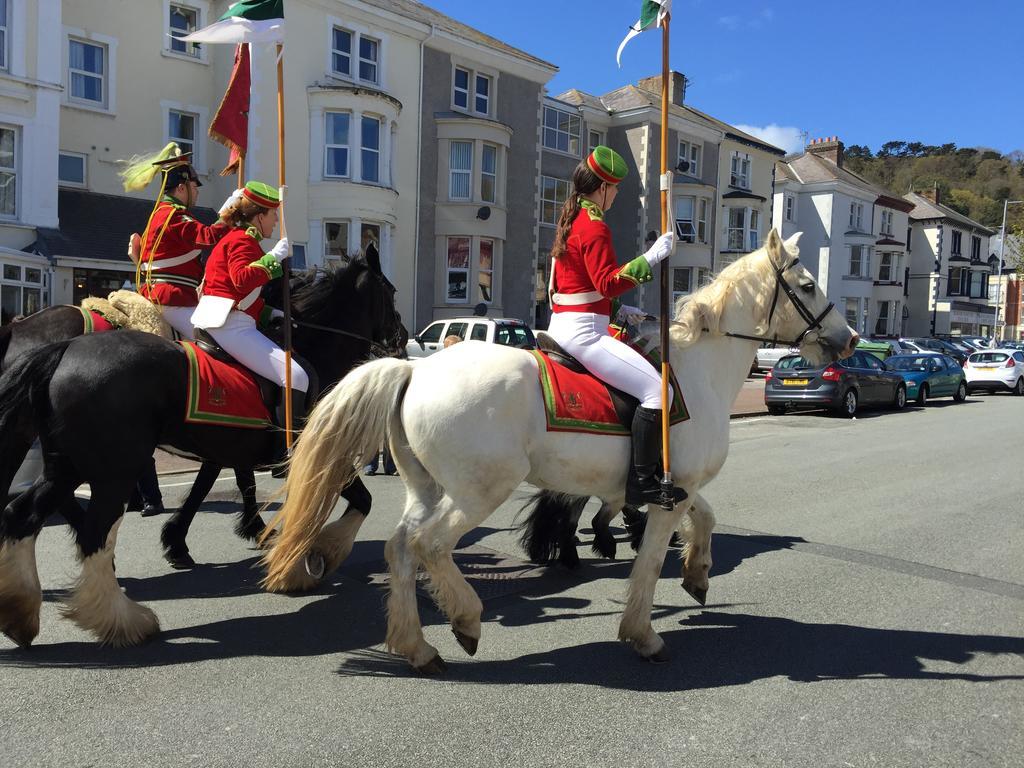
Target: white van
{"points": [[502, 330]]}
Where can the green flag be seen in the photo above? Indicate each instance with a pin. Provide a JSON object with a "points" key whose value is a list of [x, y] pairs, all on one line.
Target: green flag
{"points": [[247, 21], [651, 11]]}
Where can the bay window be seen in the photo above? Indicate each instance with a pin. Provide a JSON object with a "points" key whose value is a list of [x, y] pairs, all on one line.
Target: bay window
{"points": [[457, 270], [743, 229], [460, 170], [371, 149], [485, 271], [336, 241], [8, 171], [488, 173], [337, 144]]}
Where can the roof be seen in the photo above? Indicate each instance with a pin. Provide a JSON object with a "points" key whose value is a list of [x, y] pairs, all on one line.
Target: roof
{"points": [[96, 226], [633, 97], [810, 168], [424, 13], [926, 209]]}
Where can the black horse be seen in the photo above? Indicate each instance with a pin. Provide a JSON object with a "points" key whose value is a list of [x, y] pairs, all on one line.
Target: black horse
{"points": [[102, 403], [62, 323]]}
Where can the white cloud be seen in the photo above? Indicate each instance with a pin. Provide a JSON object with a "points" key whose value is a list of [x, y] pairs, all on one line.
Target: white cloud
{"points": [[783, 136], [730, 22]]}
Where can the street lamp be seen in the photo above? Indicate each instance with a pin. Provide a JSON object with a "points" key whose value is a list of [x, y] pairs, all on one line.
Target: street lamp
{"points": [[996, 336]]}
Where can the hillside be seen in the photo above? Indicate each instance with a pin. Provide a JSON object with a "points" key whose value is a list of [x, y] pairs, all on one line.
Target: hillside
{"points": [[972, 181]]}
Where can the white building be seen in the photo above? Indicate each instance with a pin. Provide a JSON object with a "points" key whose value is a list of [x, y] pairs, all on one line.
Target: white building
{"points": [[854, 236]]}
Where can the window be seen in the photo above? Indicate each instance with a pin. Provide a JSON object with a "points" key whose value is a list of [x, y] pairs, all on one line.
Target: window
{"points": [[371, 149], [369, 51], [485, 273], [860, 261], [596, 140], [885, 267], [975, 248], [461, 170], [479, 332], [857, 216], [183, 21], [703, 277], [476, 98], [456, 329], [979, 285], [337, 144], [457, 269], [958, 281], [742, 231], [553, 194], [681, 282], [71, 169], [181, 129], [488, 173], [955, 243], [335, 240], [689, 158], [4, 24], [432, 334], [737, 226], [790, 208], [87, 72], [686, 229], [341, 51], [740, 176], [885, 313], [344, 43], [856, 313], [483, 94], [8, 171], [298, 256], [561, 131], [22, 291], [369, 234], [886, 223]]}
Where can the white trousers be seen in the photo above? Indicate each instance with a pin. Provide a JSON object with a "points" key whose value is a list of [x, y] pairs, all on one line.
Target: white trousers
{"points": [[584, 335], [240, 338], [180, 319]]}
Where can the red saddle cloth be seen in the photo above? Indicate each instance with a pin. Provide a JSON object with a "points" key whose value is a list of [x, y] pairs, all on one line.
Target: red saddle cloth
{"points": [[94, 322], [579, 402], [222, 394]]}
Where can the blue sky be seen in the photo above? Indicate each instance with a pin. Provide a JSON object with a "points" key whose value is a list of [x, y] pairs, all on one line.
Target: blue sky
{"points": [[933, 71]]}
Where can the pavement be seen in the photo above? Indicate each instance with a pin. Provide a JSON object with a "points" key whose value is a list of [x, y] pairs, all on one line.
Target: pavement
{"points": [[749, 402]]}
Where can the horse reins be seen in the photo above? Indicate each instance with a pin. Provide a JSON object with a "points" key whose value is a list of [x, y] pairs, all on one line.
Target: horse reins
{"points": [[373, 344]]}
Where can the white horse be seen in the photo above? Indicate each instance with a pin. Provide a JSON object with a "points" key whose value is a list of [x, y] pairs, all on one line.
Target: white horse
{"points": [[467, 426]]}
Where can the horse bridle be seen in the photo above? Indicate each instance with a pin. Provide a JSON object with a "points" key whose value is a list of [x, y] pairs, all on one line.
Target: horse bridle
{"points": [[374, 345], [813, 322]]}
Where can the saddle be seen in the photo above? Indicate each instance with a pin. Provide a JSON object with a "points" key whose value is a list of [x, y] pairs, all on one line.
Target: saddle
{"points": [[270, 391], [625, 404]]}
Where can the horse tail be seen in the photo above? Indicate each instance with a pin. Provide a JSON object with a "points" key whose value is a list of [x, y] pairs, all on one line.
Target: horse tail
{"points": [[345, 429], [550, 525], [24, 386]]}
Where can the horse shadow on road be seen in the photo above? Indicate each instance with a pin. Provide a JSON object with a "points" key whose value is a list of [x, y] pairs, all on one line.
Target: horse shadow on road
{"points": [[715, 649]]}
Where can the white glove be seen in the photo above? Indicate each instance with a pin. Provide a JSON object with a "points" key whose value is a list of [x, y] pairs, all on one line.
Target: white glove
{"points": [[280, 252], [630, 315], [234, 198], [661, 249]]}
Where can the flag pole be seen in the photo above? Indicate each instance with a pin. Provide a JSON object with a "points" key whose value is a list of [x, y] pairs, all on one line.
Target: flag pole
{"points": [[286, 298], [666, 294]]}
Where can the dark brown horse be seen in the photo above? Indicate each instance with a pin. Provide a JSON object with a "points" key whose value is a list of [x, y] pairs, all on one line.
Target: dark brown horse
{"points": [[102, 403]]}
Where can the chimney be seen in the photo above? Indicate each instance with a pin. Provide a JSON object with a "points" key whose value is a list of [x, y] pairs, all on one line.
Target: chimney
{"points": [[830, 148], [932, 194], [676, 86]]}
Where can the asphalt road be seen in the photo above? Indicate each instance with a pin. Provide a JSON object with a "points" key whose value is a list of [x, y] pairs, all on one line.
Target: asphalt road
{"points": [[865, 609]]}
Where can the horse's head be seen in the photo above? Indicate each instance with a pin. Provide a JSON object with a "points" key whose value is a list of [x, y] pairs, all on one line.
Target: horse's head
{"points": [[801, 313], [355, 298]]}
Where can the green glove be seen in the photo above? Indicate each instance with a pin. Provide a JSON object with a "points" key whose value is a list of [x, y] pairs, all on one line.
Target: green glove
{"points": [[269, 263]]}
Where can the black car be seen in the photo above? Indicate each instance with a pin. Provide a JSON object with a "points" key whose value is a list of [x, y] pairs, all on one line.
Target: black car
{"points": [[843, 386], [943, 347]]}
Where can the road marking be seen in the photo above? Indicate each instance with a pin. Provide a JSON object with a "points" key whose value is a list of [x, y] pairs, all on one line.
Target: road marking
{"points": [[883, 562]]}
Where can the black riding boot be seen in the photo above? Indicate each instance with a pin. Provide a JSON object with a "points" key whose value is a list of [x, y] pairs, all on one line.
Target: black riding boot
{"points": [[643, 485], [298, 417]]}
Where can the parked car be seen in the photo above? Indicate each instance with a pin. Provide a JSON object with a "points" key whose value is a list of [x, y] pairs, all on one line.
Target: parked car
{"points": [[501, 330], [941, 346], [978, 342], [1007, 344], [996, 369], [860, 380], [929, 374], [768, 356]]}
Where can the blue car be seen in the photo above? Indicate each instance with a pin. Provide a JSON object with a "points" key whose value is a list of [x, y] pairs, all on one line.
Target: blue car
{"points": [[929, 375]]}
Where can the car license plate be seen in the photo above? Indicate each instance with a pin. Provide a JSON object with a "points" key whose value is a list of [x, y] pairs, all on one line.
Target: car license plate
{"points": [[985, 368], [795, 382]]}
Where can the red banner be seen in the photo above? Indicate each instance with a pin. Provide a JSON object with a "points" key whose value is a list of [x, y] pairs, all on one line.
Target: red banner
{"points": [[230, 125]]}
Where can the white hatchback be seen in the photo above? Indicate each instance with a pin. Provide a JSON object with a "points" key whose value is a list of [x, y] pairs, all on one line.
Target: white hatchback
{"points": [[996, 369], [506, 331]]}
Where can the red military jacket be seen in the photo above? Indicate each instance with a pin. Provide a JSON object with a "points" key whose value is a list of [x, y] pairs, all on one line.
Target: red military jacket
{"points": [[234, 270], [588, 265], [175, 272]]}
